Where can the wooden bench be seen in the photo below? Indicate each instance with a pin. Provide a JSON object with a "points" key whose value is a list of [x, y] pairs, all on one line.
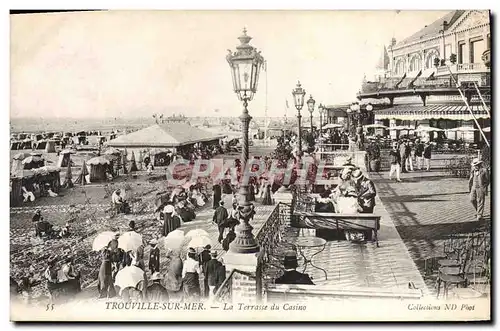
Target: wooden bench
{"points": [[312, 220]]}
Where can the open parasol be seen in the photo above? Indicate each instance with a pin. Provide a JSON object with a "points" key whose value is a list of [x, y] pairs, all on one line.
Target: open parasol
{"points": [[401, 128], [129, 277], [199, 242], [173, 240], [21, 156], [462, 129], [130, 241], [428, 129], [375, 126], [30, 159], [197, 233], [102, 240], [332, 126]]}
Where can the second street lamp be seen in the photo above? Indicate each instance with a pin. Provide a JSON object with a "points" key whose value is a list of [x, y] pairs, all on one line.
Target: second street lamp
{"points": [[245, 66], [310, 105], [298, 97]]}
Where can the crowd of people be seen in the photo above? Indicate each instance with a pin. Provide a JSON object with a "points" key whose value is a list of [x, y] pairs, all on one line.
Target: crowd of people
{"points": [[406, 156]]}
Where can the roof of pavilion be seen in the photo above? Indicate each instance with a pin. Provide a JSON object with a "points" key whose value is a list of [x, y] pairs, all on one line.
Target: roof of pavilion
{"points": [[165, 135], [433, 29]]}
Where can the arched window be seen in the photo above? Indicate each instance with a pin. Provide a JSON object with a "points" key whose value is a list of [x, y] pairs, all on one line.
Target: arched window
{"points": [[431, 55], [415, 63], [400, 67]]}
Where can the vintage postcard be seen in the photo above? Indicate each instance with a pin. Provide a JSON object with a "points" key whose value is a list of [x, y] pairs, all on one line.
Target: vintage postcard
{"points": [[250, 166]]}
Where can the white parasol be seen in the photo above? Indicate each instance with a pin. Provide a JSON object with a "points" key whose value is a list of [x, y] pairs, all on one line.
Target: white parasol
{"points": [[197, 233], [332, 126], [130, 241], [129, 277], [200, 241], [102, 240], [400, 128], [173, 240], [428, 129], [462, 129], [375, 126]]}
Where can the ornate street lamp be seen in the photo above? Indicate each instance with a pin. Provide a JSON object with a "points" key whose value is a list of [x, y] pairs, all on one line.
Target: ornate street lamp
{"points": [[298, 97], [310, 105], [245, 65], [322, 111]]}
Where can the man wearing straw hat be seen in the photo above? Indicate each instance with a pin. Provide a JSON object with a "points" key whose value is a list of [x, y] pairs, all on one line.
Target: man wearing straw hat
{"points": [[478, 186]]}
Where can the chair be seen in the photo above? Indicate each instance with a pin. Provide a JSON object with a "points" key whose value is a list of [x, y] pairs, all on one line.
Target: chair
{"points": [[477, 274], [455, 275]]}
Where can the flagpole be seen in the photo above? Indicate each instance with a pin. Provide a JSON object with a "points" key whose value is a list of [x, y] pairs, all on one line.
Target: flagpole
{"points": [[468, 107], [266, 122], [482, 100]]}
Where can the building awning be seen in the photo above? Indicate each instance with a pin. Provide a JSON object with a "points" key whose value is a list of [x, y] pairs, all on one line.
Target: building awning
{"points": [[420, 112]]}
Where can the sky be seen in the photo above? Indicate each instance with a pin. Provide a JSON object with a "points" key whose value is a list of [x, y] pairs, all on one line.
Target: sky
{"points": [[138, 63]]}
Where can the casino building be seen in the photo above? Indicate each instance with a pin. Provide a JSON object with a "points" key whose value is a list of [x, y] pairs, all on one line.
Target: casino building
{"points": [[416, 79]]}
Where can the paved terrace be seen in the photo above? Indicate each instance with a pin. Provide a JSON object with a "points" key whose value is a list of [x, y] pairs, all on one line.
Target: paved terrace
{"points": [[352, 265], [427, 206]]}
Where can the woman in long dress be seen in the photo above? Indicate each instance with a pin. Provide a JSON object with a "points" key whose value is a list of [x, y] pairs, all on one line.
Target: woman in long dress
{"points": [[191, 276], [105, 284], [171, 220], [268, 200], [217, 195], [173, 278]]}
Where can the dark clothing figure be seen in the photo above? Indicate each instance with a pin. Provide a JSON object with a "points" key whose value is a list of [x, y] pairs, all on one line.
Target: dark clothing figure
{"points": [[157, 293], [267, 201], [366, 195], [43, 227], [220, 276], [395, 157], [154, 260], [105, 284], [117, 261], [220, 217], [427, 151], [217, 196], [251, 192], [204, 259], [294, 277], [228, 240], [402, 153], [210, 271], [170, 223], [419, 150]]}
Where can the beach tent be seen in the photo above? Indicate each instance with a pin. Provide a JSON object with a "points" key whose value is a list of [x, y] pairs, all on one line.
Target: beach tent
{"points": [[84, 174], [68, 180], [98, 168], [133, 165], [65, 158], [50, 146]]}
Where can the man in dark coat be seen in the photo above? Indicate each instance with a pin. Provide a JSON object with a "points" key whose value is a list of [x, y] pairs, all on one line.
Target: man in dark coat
{"points": [[402, 153], [210, 271], [154, 257], [156, 292], [220, 276], [220, 217], [366, 191], [292, 276], [204, 258]]}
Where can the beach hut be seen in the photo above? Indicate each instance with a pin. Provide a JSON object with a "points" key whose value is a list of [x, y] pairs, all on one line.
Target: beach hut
{"points": [[98, 168], [33, 162], [68, 179], [133, 165], [17, 163], [50, 146], [82, 177], [65, 158]]}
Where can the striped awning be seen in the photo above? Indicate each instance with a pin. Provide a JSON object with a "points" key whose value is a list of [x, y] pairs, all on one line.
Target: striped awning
{"points": [[419, 112]]}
